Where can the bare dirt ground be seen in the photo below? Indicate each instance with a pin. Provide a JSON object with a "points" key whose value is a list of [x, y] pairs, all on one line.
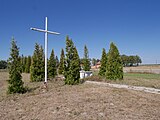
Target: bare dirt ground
{"points": [[79, 102]]}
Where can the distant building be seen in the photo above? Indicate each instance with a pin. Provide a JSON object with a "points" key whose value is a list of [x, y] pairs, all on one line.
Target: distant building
{"points": [[97, 66]]}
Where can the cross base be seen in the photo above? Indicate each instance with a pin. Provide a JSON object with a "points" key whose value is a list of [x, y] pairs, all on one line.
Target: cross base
{"points": [[45, 86]]}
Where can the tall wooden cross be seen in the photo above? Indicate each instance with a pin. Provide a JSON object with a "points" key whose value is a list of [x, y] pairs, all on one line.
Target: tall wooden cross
{"points": [[46, 44]]}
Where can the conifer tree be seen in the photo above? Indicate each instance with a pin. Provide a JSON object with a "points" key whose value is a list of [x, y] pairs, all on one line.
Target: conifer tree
{"points": [[28, 64], [61, 65], [57, 62], [75, 66], [114, 68], [3, 64], [37, 65], [72, 63], [86, 61], [102, 70], [52, 71], [22, 62], [15, 78], [94, 61], [42, 63]]}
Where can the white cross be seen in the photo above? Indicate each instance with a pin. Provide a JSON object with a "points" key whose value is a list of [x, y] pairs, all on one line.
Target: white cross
{"points": [[46, 44]]}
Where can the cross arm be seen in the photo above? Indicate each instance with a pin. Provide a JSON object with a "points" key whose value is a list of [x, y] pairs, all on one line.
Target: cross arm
{"points": [[40, 30]]}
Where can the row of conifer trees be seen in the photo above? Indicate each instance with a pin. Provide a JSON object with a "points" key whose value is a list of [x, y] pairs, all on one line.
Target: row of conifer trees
{"points": [[69, 62], [26, 61], [69, 66]]}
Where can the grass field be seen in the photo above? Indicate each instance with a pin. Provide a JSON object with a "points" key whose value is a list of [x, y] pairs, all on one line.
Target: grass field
{"points": [[140, 79], [80, 102], [142, 76]]}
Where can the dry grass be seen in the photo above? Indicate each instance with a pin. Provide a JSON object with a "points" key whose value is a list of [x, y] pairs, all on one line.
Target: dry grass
{"points": [[143, 69], [79, 102]]}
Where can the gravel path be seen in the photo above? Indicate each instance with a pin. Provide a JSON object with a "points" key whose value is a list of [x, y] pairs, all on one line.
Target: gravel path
{"points": [[145, 89]]}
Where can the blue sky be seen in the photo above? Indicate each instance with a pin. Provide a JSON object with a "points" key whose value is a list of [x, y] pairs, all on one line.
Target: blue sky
{"points": [[133, 25]]}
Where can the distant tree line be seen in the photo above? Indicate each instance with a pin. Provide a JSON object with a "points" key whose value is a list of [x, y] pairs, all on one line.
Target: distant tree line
{"points": [[130, 60], [126, 60], [3, 64], [94, 61]]}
